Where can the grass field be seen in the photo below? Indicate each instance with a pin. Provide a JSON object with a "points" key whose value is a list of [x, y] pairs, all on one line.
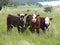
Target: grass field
{"points": [[27, 38]]}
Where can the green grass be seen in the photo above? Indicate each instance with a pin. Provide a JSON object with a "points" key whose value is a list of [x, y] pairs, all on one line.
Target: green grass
{"points": [[27, 38]]}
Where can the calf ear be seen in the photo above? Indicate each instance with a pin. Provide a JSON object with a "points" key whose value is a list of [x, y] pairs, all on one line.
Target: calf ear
{"points": [[38, 15], [51, 18], [18, 14], [25, 14]]}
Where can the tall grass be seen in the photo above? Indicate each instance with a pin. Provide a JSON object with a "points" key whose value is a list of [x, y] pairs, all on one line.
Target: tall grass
{"points": [[27, 38]]}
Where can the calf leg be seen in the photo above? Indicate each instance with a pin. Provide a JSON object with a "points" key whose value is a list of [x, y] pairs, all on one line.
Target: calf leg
{"points": [[37, 30], [48, 29], [9, 27], [32, 30], [43, 29], [22, 30], [18, 29]]}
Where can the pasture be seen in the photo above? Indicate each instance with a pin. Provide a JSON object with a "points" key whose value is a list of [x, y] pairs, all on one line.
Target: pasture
{"points": [[27, 38]]}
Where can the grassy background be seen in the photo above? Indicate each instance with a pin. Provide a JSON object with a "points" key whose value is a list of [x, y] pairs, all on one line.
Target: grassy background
{"points": [[27, 38]]}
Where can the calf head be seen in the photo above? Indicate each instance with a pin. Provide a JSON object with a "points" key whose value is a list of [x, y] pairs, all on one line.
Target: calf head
{"points": [[47, 20], [21, 16], [34, 18]]}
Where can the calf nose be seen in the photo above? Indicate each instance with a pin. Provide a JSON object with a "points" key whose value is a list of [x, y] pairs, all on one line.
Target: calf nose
{"points": [[21, 18]]}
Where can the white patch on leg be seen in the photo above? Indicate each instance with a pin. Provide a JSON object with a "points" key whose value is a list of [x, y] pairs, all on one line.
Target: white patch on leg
{"points": [[47, 30], [24, 26]]}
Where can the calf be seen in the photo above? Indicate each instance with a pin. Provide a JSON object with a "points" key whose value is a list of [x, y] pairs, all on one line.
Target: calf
{"points": [[16, 21], [44, 22], [34, 22]]}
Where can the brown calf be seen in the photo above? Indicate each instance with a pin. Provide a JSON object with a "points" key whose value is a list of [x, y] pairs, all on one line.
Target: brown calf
{"points": [[16, 22], [34, 21]]}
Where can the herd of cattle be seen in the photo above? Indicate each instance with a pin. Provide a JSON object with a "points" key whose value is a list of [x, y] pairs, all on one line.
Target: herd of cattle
{"points": [[35, 22]]}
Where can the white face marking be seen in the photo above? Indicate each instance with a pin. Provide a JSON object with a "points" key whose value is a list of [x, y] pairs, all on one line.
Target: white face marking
{"points": [[47, 20], [24, 26], [34, 18], [22, 14]]}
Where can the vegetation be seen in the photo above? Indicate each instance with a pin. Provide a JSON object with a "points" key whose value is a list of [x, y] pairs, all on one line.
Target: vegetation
{"points": [[27, 38], [3, 2], [48, 9]]}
